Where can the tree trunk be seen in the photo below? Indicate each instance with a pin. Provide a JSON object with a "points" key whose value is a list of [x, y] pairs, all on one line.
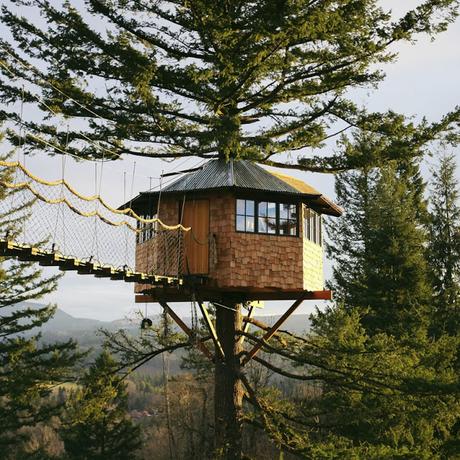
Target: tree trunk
{"points": [[228, 389]]}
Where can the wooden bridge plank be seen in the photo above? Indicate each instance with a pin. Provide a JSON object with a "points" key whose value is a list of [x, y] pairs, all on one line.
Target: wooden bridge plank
{"points": [[9, 248]]}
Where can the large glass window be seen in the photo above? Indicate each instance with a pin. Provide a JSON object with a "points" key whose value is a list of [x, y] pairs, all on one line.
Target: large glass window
{"points": [[267, 217], [245, 216], [313, 226], [288, 219]]}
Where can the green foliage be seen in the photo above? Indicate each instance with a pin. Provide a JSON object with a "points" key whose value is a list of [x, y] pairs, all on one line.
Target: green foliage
{"points": [[378, 247], [395, 395], [444, 246], [371, 396], [230, 78], [135, 350], [96, 425], [396, 273], [28, 368], [381, 385], [403, 384]]}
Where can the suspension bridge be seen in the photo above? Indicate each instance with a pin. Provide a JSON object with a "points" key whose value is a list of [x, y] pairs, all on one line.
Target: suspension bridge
{"points": [[53, 224]]}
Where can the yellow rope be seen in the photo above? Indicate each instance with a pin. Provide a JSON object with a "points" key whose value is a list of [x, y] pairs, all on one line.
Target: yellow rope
{"points": [[82, 197], [98, 198], [27, 185]]}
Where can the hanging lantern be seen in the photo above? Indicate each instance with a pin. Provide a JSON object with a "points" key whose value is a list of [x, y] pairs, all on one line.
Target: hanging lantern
{"points": [[146, 323]]}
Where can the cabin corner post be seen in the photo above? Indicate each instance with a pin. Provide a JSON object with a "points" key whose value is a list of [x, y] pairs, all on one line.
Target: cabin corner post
{"points": [[228, 389]]}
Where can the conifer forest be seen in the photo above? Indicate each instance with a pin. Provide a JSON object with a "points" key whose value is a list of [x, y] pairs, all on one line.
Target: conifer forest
{"points": [[234, 107]]}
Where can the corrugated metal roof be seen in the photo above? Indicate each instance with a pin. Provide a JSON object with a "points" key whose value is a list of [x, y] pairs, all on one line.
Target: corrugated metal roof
{"points": [[243, 175], [222, 174]]}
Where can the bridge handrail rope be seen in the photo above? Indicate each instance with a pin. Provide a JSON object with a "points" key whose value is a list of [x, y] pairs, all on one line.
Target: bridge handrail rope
{"points": [[64, 200], [67, 242], [98, 198], [165, 239]]}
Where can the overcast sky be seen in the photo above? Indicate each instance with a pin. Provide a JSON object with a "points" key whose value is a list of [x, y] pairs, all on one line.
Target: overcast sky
{"points": [[425, 81]]}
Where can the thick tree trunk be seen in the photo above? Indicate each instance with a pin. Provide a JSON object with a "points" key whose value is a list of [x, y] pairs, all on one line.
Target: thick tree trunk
{"points": [[228, 390]]}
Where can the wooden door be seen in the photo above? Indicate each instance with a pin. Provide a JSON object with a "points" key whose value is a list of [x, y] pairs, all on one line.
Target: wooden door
{"points": [[196, 248]]}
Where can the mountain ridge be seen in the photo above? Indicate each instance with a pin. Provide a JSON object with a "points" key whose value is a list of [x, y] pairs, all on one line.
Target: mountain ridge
{"points": [[65, 324]]}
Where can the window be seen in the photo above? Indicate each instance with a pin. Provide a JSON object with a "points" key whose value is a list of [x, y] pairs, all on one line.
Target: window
{"points": [[146, 230], [288, 219], [266, 217], [245, 216], [313, 226]]}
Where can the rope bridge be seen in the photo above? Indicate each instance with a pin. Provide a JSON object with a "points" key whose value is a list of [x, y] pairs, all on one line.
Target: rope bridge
{"points": [[50, 222]]}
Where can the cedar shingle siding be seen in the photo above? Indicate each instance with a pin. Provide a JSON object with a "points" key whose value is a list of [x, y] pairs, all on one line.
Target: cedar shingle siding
{"points": [[248, 260]]}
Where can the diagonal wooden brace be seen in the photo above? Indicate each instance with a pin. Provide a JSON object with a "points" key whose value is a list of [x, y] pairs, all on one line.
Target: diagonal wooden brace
{"points": [[272, 331], [246, 322], [211, 329], [203, 348]]}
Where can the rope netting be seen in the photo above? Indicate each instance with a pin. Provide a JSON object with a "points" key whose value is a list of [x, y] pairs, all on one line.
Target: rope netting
{"points": [[53, 217]]}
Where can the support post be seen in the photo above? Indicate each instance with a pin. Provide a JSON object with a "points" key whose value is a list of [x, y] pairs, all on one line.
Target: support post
{"points": [[211, 329], [228, 389], [272, 331], [186, 329]]}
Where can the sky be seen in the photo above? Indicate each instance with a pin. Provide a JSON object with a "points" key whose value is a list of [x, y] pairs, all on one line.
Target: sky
{"points": [[423, 82]]}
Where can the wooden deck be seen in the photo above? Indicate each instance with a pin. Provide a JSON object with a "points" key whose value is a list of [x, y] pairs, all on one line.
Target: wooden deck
{"points": [[184, 293], [164, 288], [9, 248]]}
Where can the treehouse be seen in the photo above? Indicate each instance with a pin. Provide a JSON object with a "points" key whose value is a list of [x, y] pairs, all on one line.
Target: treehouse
{"points": [[255, 234]]}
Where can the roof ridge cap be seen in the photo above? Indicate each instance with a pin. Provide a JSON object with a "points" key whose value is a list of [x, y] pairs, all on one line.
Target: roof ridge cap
{"points": [[231, 173]]}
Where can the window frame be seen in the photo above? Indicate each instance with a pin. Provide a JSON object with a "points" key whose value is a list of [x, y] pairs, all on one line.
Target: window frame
{"points": [[146, 232], [277, 217], [246, 216], [313, 226]]}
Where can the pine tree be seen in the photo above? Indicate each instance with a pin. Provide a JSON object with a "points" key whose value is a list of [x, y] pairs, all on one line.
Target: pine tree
{"points": [[378, 246], [203, 78], [349, 245], [394, 398], [444, 246], [96, 425], [207, 78], [398, 292], [28, 368], [381, 276]]}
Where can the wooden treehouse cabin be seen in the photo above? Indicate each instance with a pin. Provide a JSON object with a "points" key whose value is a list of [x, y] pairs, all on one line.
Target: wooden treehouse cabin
{"points": [[255, 234]]}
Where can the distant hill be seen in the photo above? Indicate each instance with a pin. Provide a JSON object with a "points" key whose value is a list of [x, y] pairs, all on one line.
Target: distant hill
{"points": [[62, 321], [64, 326], [297, 324]]}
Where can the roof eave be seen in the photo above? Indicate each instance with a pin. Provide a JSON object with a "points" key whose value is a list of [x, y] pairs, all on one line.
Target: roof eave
{"points": [[330, 207]]}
